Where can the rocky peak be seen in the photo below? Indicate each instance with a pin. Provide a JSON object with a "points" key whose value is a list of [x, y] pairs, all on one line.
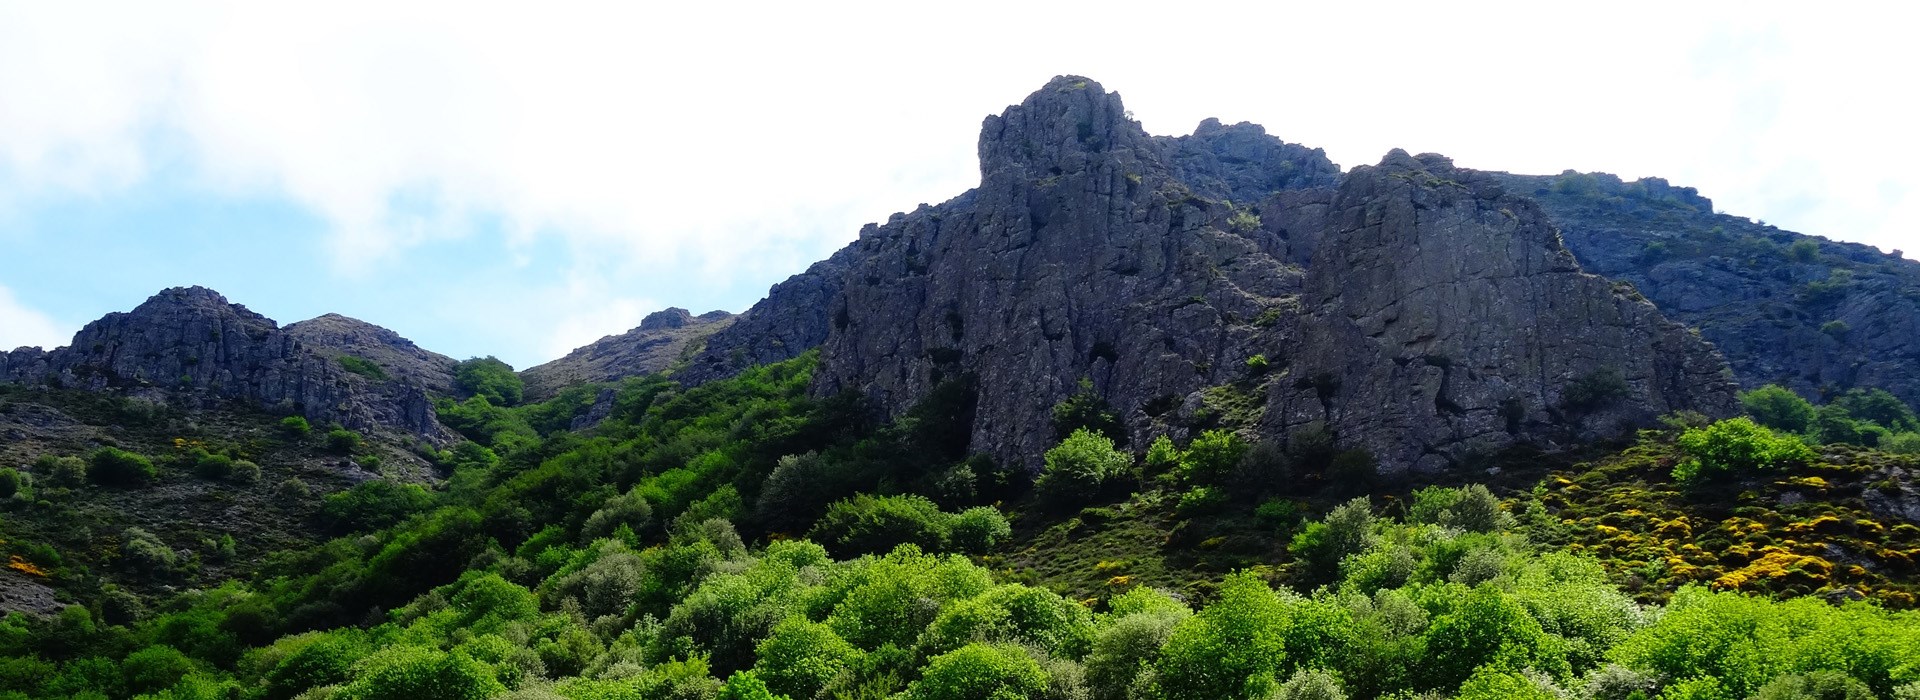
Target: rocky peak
{"points": [[190, 344], [663, 339], [1066, 126], [1243, 164], [336, 336], [672, 317]]}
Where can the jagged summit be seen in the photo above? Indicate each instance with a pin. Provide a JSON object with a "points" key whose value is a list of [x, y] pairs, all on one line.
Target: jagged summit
{"points": [[1163, 269], [662, 339], [188, 342], [334, 335]]}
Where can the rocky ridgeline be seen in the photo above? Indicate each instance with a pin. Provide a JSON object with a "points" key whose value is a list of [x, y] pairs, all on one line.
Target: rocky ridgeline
{"points": [[1226, 278], [1767, 298], [188, 344], [663, 338]]}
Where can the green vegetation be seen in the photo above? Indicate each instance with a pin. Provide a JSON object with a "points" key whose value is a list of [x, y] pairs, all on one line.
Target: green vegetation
{"points": [[363, 367], [654, 557], [116, 467], [489, 378]]}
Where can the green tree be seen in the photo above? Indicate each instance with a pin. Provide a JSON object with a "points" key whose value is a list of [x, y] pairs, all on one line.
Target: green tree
{"points": [[1081, 468], [490, 378], [114, 466], [295, 426], [1879, 407], [874, 524], [976, 530], [9, 482], [420, 673], [1241, 637], [980, 672], [1212, 457], [1735, 445], [1779, 408], [800, 656]]}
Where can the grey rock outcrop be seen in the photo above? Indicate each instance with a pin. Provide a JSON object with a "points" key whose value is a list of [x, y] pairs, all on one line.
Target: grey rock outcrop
{"points": [[1449, 319], [1764, 296], [663, 338], [794, 318], [1084, 254], [189, 344], [1242, 164], [336, 336]]}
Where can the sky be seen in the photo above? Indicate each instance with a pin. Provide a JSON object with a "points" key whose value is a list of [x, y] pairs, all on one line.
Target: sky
{"points": [[521, 179]]}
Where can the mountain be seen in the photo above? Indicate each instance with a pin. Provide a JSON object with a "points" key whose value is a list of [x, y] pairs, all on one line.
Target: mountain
{"points": [[1417, 310], [190, 343], [1815, 315], [662, 338]]}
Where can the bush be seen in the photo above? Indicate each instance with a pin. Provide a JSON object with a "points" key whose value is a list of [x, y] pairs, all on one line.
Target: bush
{"points": [[373, 505], [1201, 500], [630, 510], [1903, 444], [1595, 390], [799, 657], [1778, 408], [61, 471], [980, 672], [292, 491], [1278, 513], [1085, 410], [1311, 684], [145, 553], [343, 441], [1818, 685], [363, 367], [1081, 468], [420, 673], [1735, 445], [877, 524], [154, 669], [977, 530], [490, 378], [244, 472], [1212, 457], [10, 482], [114, 466], [1241, 636], [1880, 408], [295, 426]]}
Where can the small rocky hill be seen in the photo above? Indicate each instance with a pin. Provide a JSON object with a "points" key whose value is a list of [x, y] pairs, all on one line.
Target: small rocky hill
{"points": [[189, 345], [663, 338]]}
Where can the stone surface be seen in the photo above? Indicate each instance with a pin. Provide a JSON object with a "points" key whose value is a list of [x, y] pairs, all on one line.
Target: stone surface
{"points": [[663, 338], [1091, 250], [1451, 321], [336, 336], [189, 344], [1742, 283]]}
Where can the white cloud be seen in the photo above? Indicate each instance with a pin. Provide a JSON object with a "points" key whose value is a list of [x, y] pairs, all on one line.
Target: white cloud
{"points": [[23, 326], [743, 141]]}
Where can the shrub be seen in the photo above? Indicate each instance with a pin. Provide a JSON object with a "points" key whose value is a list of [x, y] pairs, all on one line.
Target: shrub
{"points": [[145, 553], [1836, 328], [1085, 410], [343, 441], [111, 465], [61, 471], [1817, 685], [1904, 443], [1595, 390], [1879, 407], [976, 530], [1735, 445], [207, 465], [1201, 500], [292, 491], [154, 669], [800, 656], [9, 482], [1081, 468], [1210, 458], [1311, 684], [363, 367], [490, 378], [1779, 408], [630, 510], [744, 685], [244, 472], [875, 524], [420, 673], [1241, 636], [1278, 513], [1130, 643], [373, 505], [980, 672], [1257, 365], [295, 426], [1162, 457]]}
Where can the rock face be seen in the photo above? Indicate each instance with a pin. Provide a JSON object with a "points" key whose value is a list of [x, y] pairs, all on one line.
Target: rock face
{"points": [[1445, 317], [663, 338], [1421, 311], [1765, 297], [337, 336], [190, 343]]}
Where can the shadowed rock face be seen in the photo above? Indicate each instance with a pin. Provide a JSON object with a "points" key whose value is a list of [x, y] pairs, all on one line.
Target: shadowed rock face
{"points": [[1450, 319], [189, 342], [662, 339], [1421, 311], [337, 336]]}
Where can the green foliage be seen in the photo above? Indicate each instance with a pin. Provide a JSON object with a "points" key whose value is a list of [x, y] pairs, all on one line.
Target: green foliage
{"points": [[343, 441], [420, 673], [61, 471], [977, 530], [1212, 457], [1595, 390], [295, 426], [1085, 410], [1240, 637], [1082, 468], [363, 367], [1880, 408], [117, 467], [799, 657], [1836, 328], [489, 378], [980, 672], [1734, 446], [372, 505], [10, 482], [1778, 408], [872, 524], [154, 669]]}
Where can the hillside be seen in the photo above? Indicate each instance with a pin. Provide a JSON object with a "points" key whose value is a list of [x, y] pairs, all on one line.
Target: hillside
{"points": [[1139, 417]]}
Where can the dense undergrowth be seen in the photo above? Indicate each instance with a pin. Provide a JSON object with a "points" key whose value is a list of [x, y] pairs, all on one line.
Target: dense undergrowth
{"points": [[742, 540]]}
